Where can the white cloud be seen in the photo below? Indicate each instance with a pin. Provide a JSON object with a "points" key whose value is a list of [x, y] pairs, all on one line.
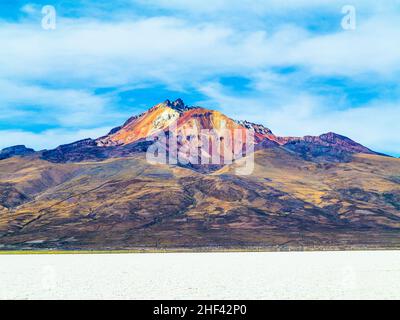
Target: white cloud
{"points": [[48, 139], [371, 48], [63, 107], [30, 9], [173, 50]]}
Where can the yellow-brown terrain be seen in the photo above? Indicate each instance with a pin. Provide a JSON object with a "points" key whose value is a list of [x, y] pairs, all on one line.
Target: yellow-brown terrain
{"points": [[123, 202]]}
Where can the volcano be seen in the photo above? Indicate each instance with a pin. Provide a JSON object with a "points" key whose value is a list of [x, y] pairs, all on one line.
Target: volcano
{"points": [[311, 192]]}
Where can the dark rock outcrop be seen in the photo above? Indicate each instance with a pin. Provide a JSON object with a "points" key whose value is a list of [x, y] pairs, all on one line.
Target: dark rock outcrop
{"points": [[88, 150], [20, 150], [329, 146]]}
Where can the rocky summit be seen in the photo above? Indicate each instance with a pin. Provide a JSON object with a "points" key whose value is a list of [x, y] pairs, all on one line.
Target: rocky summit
{"points": [[324, 192], [15, 151]]}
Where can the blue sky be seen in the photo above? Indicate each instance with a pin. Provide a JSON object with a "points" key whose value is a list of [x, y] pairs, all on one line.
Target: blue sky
{"points": [[286, 64]]}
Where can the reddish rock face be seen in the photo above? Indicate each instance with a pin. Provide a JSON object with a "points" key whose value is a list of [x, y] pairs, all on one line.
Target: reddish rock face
{"points": [[158, 118], [184, 118], [193, 125], [166, 114]]}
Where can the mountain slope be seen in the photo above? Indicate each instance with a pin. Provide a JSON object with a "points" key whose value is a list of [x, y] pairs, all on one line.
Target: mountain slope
{"points": [[127, 203]]}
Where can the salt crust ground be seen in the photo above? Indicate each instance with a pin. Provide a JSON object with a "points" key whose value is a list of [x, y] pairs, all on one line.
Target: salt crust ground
{"points": [[307, 275]]}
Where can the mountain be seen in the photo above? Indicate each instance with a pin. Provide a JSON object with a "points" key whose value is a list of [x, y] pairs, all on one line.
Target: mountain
{"points": [[190, 123], [163, 115], [325, 192], [15, 151], [330, 145]]}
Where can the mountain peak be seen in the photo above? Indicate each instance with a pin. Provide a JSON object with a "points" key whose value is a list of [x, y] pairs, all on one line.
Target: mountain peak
{"points": [[177, 105], [19, 150], [257, 128]]}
